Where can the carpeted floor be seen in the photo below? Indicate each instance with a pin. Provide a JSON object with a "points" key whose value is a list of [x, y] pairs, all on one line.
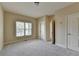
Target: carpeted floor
{"points": [[36, 48]]}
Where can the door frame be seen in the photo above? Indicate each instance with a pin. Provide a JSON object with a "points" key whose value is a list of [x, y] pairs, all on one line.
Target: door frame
{"points": [[67, 23], [67, 32]]}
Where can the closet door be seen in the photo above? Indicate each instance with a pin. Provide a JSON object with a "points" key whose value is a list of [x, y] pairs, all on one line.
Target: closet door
{"points": [[42, 31], [73, 31]]}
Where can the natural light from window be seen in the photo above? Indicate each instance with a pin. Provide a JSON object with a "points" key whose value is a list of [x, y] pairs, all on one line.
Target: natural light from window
{"points": [[23, 28]]}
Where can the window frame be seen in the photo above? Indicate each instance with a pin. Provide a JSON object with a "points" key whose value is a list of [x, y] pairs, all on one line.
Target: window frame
{"points": [[24, 28]]}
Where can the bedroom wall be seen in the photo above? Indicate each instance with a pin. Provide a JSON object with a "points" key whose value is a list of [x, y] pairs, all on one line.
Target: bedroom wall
{"points": [[9, 25], [42, 21], [1, 28], [52, 28], [48, 27], [49, 20], [61, 23]]}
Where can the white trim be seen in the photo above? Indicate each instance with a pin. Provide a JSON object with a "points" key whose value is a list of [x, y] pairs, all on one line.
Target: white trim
{"points": [[60, 45], [20, 40]]}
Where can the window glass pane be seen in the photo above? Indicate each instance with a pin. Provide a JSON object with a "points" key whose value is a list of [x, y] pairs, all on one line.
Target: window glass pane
{"points": [[19, 28], [30, 25], [26, 25], [26, 32], [29, 32], [28, 28]]}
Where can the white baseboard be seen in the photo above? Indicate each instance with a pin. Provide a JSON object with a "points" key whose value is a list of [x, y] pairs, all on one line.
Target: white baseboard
{"points": [[60, 45], [10, 42], [1, 47]]}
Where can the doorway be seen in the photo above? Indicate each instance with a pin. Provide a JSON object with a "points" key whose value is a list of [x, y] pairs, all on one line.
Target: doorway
{"points": [[42, 31], [53, 32]]}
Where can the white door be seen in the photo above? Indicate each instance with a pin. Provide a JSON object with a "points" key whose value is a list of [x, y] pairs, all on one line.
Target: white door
{"points": [[42, 31], [73, 31]]}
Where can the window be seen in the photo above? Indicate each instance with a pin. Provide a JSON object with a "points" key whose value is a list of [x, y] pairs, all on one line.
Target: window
{"points": [[23, 28], [28, 28], [19, 28]]}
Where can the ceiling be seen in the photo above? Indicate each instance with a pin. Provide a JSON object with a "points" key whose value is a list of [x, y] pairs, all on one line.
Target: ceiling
{"points": [[29, 9]]}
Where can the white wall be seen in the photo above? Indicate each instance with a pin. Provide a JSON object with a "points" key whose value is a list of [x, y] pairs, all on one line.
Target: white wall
{"points": [[61, 31], [1, 27], [61, 23]]}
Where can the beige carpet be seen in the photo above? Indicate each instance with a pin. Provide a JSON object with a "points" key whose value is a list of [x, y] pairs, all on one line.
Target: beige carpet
{"points": [[36, 48]]}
